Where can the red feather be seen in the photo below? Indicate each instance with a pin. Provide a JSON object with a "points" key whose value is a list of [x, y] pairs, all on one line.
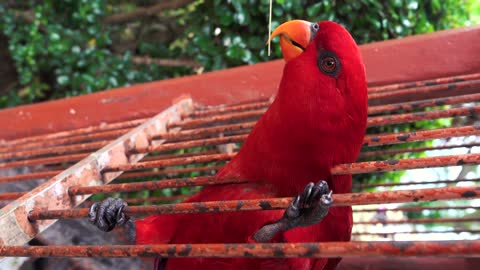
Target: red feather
{"points": [[315, 122]]}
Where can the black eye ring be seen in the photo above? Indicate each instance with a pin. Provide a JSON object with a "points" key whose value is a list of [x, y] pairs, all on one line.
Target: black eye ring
{"points": [[329, 64]]}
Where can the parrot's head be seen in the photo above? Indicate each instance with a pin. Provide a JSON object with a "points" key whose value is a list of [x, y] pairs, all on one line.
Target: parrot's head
{"points": [[323, 56], [328, 41], [324, 86]]}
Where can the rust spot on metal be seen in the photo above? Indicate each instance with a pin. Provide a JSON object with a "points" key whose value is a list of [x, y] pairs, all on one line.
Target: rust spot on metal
{"points": [[265, 205], [185, 251], [469, 194], [240, 203], [403, 137]]}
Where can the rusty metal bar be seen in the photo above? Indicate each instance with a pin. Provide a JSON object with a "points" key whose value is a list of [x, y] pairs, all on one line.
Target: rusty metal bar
{"points": [[109, 134], [190, 144], [425, 89], [351, 168], [168, 171], [422, 135], [154, 199], [44, 161], [462, 248], [421, 104], [145, 200], [53, 193], [372, 121], [169, 162], [444, 80], [56, 149], [231, 109], [418, 116], [151, 185], [28, 176], [190, 154], [419, 208], [15, 195], [361, 186], [370, 154], [418, 221], [199, 107], [8, 196], [199, 133], [119, 125], [192, 123], [417, 232], [47, 174], [405, 164], [355, 168], [364, 198]]}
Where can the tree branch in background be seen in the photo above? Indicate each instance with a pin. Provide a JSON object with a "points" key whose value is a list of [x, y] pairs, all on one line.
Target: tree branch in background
{"points": [[142, 60], [145, 11]]}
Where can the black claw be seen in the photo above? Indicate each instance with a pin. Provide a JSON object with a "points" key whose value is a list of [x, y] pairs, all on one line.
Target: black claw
{"points": [[108, 214], [306, 209]]}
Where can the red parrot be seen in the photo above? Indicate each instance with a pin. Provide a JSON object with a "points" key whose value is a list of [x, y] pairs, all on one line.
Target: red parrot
{"points": [[317, 120]]}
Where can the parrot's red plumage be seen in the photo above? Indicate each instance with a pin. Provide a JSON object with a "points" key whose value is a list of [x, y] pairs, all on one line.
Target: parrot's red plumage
{"points": [[316, 121]]}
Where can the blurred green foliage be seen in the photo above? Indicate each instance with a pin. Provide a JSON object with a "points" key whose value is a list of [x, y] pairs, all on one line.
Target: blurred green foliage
{"points": [[65, 48]]}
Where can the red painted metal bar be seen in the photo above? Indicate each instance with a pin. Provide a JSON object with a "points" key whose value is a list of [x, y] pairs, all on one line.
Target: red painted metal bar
{"points": [[414, 150], [444, 80], [420, 208], [400, 196], [419, 116], [425, 89], [361, 186], [419, 221], [190, 144], [421, 104], [265, 250]]}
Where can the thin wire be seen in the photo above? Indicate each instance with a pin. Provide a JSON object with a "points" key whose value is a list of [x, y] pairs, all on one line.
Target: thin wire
{"points": [[269, 27]]}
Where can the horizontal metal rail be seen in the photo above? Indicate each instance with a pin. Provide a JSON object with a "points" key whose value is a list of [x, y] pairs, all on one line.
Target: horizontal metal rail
{"points": [[264, 250], [431, 182], [419, 208], [444, 80], [418, 221], [365, 198]]}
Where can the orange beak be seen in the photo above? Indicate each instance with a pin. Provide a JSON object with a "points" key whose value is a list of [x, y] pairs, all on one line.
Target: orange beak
{"points": [[295, 35]]}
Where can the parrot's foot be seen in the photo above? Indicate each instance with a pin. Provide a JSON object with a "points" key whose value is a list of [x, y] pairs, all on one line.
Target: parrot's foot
{"points": [[306, 209], [108, 214]]}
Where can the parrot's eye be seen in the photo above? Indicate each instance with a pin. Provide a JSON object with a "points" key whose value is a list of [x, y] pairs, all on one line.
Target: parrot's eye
{"points": [[329, 64]]}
